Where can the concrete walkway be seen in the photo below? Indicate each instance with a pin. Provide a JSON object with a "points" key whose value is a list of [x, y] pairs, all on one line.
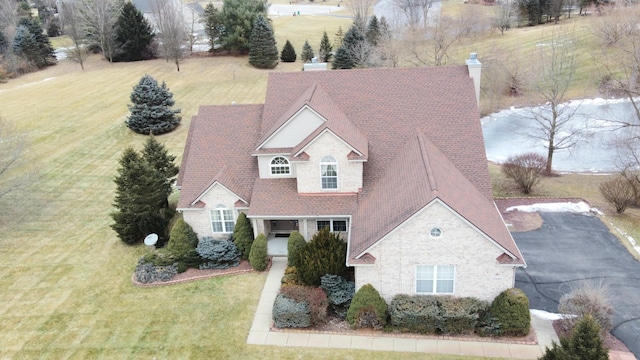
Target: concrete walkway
{"points": [[260, 333]]}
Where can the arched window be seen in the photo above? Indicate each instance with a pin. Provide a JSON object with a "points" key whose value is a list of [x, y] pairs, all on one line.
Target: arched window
{"points": [[222, 220], [280, 166], [329, 172]]}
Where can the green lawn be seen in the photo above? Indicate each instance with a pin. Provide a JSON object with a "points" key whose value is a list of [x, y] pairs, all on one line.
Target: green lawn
{"points": [[65, 289]]}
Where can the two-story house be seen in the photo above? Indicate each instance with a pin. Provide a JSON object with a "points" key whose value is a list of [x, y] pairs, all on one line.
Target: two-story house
{"points": [[393, 159]]}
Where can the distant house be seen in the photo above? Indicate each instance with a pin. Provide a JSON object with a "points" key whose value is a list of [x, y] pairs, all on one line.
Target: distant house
{"points": [[392, 159], [191, 13]]}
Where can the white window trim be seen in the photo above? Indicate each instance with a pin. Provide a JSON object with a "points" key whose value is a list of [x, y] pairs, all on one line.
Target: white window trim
{"points": [[346, 221], [272, 166], [334, 162], [435, 280], [221, 209], [436, 228]]}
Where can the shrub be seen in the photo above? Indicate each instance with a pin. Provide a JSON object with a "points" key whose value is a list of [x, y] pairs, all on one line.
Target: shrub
{"points": [[339, 293], [147, 273], [288, 313], [419, 313], [221, 254], [525, 170], [587, 300], [511, 311], [585, 342], [288, 53], [314, 297], [461, 315], [243, 235], [618, 192], [368, 309], [180, 250], [324, 254], [290, 276], [258, 256], [295, 243]]}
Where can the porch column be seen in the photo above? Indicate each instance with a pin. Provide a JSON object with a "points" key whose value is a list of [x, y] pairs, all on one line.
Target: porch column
{"points": [[306, 231]]}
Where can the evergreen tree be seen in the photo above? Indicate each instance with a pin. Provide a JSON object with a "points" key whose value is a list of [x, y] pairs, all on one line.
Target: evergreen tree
{"points": [[586, 342], [238, 17], [43, 54], [342, 59], [288, 53], [212, 26], [4, 44], [151, 111], [373, 31], [156, 155], [25, 45], [140, 193], [263, 53], [243, 235], [385, 29], [307, 52], [325, 49], [133, 35]]}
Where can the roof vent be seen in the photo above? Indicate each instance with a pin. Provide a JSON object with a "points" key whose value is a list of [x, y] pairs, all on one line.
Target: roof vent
{"points": [[233, 103]]}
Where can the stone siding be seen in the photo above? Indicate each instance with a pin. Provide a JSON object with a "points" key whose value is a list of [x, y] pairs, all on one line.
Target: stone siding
{"points": [[477, 273]]}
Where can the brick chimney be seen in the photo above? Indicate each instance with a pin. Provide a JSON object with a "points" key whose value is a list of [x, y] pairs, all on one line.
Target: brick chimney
{"points": [[475, 72]]}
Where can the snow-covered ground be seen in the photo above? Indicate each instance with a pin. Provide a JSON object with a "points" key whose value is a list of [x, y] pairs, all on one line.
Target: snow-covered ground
{"points": [[508, 132], [579, 207], [302, 9]]}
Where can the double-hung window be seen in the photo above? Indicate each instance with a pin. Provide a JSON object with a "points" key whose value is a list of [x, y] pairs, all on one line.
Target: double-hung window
{"points": [[329, 173], [333, 225], [222, 219], [435, 279]]}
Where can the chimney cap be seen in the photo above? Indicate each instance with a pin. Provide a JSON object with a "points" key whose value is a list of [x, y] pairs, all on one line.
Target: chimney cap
{"points": [[473, 56]]}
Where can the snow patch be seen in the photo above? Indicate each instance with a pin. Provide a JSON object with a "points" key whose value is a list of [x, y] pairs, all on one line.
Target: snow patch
{"points": [[579, 207], [547, 315]]}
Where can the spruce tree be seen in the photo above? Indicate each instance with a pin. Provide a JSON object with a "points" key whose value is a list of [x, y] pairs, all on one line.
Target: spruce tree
{"points": [[307, 52], [325, 49], [156, 155], [337, 42], [212, 24], [25, 45], [133, 35], [263, 53], [43, 53], [373, 31], [140, 193], [237, 18], [586, 342], [288, 53], [150, 108], [342, 59]]}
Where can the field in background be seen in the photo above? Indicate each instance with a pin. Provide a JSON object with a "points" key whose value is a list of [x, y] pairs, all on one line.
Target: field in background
{"points": [[65, 289]]}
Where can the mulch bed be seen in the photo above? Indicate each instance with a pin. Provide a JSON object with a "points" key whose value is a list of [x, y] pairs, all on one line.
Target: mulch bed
{"points": [[197, 274]]}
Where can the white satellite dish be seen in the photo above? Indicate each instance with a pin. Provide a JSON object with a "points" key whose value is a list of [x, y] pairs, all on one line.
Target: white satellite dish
{"points": [[151, 239]]}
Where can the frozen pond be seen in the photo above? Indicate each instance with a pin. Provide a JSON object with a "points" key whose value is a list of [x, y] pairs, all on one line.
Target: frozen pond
{"points": [[508, 132]]}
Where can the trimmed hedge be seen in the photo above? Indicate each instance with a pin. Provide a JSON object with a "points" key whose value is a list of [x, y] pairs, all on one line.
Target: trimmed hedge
{"points": [[434, 314], [339, 293], [258, 256], [368, 309], [290, 276], [288, 313], [219, 254], [510, 310], [295, 243]]}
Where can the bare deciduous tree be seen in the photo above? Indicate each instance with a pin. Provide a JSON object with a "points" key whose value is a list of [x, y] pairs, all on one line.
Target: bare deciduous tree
{"points": [[361, 10], [416, 12], [74, 28], [172, 31], [8, 17], [13, 145], [618, 192], [503, 16], [100, 17], [430, 45], [550, 79]]}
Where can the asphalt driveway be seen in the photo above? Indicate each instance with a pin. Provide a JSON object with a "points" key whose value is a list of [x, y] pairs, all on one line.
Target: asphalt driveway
{"points": [[571, 248]]}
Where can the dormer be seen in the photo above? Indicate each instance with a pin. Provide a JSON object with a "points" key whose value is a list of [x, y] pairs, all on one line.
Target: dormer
{"points": [[316, 143]]}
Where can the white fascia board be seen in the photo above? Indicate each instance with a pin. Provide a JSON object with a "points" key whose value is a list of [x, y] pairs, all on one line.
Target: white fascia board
{"points": [[211, 187], [322, 133]]}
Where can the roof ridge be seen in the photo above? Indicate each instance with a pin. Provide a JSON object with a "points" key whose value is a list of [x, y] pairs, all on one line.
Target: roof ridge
{"points": [[313, 92], [426, 161]]}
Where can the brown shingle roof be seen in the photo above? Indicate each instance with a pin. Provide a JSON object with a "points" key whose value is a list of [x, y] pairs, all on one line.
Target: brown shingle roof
{"points": [[417, 177], [218, 149]]}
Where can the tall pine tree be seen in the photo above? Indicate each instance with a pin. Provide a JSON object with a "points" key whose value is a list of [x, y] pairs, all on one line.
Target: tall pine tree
{"points": [[307, 52], [263, 53], [150, 108], [325, 49], [212, 25], [141, 192], [288, 53], [238, 17], [42, 53], [373, 31], [342, 59], [134, 35]]}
